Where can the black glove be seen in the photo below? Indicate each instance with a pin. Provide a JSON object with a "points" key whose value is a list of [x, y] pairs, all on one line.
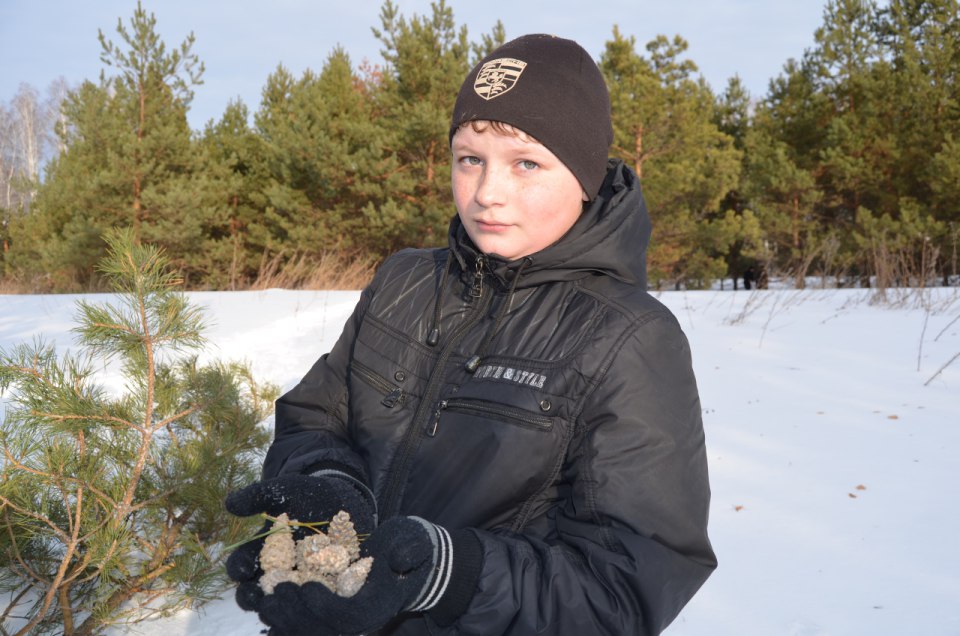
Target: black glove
{"points": [[306, 498], [412, 560]]}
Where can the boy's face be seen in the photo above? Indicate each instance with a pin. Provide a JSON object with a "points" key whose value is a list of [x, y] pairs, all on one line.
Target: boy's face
{"points": [[514, 196]]}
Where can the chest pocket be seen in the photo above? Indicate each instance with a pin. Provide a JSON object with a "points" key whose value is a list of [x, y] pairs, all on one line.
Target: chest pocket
{"points": [[493, 410], [484, 456], [393, 394]]}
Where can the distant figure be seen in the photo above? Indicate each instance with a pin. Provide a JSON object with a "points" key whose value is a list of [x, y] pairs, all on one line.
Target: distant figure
{"points": [[748, 277]]}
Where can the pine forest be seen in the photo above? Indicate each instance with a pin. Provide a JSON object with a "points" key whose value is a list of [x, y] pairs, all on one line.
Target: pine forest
{"points": [[847, 170]]}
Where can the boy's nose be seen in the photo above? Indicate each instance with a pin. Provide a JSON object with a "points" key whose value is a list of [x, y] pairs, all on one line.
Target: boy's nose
{"points": [[491, 189]]}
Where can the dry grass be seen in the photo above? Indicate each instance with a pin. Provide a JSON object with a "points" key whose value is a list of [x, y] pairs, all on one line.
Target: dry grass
{"points": [[333, 270], [16, 286]]}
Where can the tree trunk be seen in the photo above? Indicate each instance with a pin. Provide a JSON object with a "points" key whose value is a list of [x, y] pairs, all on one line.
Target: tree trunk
{"points": [[431, 170], [795, 222], [138, 177], [638, 151], [235, 235]]}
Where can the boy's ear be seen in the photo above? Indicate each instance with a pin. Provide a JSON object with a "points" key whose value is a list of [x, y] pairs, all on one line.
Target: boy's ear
{"points": [[583, 195]]}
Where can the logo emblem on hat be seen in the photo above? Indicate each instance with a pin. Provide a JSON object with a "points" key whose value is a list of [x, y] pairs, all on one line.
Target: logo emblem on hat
{"points": [[498, 76]]}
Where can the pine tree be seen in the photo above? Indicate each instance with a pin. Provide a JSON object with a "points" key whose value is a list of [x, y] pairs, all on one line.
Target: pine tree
{"points": [[858, 145], [128, 162], [234, 181], [357, 160], [782, 195], [733, 118], [489, 42], [732, 115], [664, 127], [324, 159], [112, 500], [922, 39], [864, 116], [426, 59]]}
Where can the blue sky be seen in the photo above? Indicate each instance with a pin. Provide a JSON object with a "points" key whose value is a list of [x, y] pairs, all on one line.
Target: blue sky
{"points": [[241, 42]]}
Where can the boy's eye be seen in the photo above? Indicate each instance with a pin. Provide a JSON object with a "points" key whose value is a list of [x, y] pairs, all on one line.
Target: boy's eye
{"points": [[526, 164], [470, 160]]}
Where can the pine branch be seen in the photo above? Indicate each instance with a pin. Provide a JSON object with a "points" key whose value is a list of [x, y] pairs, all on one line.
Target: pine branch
{"points": [[122, 595], [36, 516], [18, 557], [110, 502], [55, 417], [104, 561], [70, 549], [65, 608], [11, 604], [15, 463], [179, 416]]}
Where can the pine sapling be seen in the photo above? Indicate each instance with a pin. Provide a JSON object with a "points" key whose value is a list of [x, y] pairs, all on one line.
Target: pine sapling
{"points": [[111, 501]]}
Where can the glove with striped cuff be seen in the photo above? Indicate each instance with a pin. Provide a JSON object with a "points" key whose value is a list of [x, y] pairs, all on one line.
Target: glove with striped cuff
{"points": [[417, 567]]}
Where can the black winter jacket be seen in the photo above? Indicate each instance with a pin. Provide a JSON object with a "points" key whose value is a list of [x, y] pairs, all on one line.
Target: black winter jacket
{"points": [[543, 410]]}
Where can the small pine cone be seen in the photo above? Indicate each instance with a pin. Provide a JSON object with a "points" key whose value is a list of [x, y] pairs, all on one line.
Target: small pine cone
{"points": [[342, 532], [273, 578], [279, 550], [282, 521], [331, 559], [352, 579], [308, 546]]}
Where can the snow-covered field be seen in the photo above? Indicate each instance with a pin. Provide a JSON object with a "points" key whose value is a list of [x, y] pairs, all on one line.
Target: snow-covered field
{"points": [[833, 433]]}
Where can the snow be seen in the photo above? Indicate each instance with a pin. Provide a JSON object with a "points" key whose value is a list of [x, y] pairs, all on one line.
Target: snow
{"points": [[833, 441]]}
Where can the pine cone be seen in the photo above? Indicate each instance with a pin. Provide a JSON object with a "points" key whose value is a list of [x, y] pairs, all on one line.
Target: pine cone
{"points": [[279, 550], [352, 579], [342, 532], [273, 578], [308, 546], [331, 559]]}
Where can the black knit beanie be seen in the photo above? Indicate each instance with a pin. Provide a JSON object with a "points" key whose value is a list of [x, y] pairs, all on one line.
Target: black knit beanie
{"points": [[551, 89]]}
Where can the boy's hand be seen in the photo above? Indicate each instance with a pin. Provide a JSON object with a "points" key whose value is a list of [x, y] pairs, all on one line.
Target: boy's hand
{"points": [[410, 557], [305, 498]]}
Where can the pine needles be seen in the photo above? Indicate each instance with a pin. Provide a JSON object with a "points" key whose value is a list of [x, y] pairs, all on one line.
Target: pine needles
{"points": [[113, 502]]}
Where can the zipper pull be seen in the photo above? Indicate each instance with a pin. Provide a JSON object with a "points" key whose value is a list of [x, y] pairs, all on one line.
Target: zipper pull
{"points": [[472, 364], [476, 289], [432, 429], [393, 398]]}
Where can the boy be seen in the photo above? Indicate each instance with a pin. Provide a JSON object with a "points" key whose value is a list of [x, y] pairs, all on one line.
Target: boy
{"points": [[513, 419]]}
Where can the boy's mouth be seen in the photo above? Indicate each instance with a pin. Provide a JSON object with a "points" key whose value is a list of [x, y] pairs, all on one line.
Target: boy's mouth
{"points": [[492, 226]]}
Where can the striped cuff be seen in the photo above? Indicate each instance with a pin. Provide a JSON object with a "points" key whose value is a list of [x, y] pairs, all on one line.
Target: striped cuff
{"points": [[463, 578], [439, 580]]}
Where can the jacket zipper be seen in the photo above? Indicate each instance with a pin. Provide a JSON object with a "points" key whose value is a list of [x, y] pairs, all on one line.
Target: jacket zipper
{"points": [[501, 411], [392, 394], [398, 470], [476, 289]]}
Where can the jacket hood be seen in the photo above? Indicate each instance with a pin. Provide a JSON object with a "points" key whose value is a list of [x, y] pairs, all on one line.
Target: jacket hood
{"points": [[609, 238]]}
